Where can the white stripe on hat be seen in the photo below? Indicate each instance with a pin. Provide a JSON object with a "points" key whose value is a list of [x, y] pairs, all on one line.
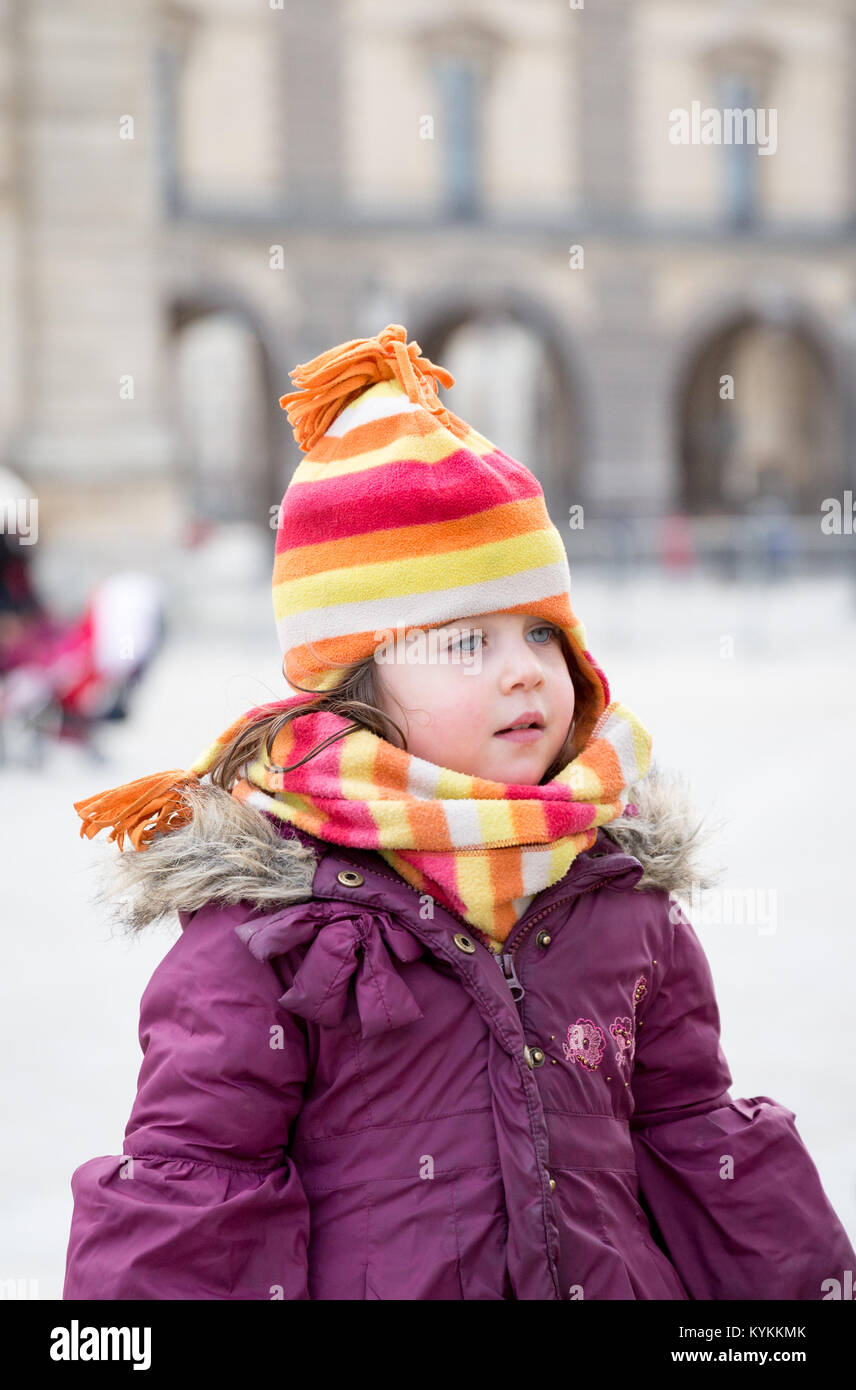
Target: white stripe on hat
{"points": [[367, 408], [338, 618]]}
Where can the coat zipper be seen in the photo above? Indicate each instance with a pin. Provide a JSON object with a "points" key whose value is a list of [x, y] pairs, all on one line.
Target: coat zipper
{"points": [[505, 960], [507, 963]]}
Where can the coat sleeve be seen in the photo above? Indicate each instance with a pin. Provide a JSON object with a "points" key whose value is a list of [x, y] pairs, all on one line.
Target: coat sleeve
{"points": [[204, 1203], [730, 1189]]}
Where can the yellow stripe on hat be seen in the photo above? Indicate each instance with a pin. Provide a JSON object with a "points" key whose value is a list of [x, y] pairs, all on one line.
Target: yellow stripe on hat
{"points": [[427, 573], [432, 448]]}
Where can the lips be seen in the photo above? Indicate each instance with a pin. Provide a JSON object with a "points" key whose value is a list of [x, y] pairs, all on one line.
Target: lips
{"points": [[524, 721]]}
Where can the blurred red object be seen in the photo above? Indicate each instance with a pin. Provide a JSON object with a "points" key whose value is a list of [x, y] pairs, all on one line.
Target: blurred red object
{"points": [[196, 532], [676, 542], [82, 671]]}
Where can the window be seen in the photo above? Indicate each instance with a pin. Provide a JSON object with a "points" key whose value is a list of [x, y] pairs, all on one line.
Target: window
{"points": [[740, 169], [459, 87]]}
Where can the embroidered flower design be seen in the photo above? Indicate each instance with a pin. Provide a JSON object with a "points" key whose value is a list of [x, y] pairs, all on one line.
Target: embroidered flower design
{"points": [[639, 989], [586, 1043], [622, 1031]]}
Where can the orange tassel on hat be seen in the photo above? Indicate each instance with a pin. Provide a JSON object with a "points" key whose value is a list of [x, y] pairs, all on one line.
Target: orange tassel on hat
{"points": [[336, 377], [138, 809]]}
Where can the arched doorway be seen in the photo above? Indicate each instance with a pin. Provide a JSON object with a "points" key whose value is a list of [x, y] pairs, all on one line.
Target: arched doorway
{"points": [[759, 412], [224, 402]]}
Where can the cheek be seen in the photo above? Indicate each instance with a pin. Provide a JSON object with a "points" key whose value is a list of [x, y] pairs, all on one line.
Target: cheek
{"points": [[405, 682], [464, 706], [563, 685], [449, 698], [467, 707]]}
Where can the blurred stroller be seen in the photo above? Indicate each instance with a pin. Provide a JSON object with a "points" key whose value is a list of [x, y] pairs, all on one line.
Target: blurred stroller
{"points": [[60, 680], [67, 679]]}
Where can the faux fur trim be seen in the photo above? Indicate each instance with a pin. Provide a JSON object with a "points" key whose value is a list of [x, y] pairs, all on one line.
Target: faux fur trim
{"points": [[667, 836], [230, 852]]}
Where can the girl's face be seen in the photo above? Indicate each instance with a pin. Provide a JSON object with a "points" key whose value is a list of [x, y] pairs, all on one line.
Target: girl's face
{"points": [[505, 666]]}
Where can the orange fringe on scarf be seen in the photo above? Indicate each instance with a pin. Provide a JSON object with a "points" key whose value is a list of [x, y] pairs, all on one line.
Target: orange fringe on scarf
{"points": [[138, 809], [335, 378]]}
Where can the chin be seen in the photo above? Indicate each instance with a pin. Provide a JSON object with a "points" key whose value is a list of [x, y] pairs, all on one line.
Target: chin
{"points": [[522, 774]]}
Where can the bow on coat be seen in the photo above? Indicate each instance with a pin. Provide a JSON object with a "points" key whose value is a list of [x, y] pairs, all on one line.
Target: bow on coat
{"points": [[344, 946]]}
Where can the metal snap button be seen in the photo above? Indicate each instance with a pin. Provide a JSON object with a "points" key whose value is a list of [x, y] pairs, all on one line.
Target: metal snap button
{"points": [[543, 939], [552, 1181], [534, 1056], [463, 943], [350, 878]]}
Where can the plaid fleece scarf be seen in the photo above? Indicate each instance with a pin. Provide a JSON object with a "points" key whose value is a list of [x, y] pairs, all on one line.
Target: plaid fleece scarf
{"points": [[481, 848]]}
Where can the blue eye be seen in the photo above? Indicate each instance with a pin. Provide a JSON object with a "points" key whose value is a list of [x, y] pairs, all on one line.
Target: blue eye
{"points": [[467, 637], [460, 643]]}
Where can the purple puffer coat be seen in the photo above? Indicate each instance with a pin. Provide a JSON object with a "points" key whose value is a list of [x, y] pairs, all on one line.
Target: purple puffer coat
{"points": [[344, 1096]]}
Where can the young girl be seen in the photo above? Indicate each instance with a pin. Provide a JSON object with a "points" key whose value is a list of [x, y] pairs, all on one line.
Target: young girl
{"points": [[435, 1026]]}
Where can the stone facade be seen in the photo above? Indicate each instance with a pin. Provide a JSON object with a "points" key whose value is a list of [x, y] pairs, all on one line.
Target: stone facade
{"points": [[196, 196]]}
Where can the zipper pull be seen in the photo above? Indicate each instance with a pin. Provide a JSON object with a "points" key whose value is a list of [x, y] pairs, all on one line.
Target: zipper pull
{"points": [[517, 990]]}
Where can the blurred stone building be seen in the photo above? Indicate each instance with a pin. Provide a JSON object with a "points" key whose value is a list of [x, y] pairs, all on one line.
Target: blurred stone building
{"points": [[195, 196]]}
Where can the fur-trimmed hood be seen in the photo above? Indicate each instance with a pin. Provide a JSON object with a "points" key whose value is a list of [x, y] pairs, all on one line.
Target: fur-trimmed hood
{"points": [[232, 853]]}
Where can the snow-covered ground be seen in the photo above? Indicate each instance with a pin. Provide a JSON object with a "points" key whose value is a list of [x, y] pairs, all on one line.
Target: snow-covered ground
{"points": [[749, 691]]}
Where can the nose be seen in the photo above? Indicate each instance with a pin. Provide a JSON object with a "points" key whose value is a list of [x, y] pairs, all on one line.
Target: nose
{"points": [[522, 668]]}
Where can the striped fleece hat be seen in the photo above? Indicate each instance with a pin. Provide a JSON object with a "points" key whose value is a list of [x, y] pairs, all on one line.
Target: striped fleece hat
{"points": [[401, 516]]}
